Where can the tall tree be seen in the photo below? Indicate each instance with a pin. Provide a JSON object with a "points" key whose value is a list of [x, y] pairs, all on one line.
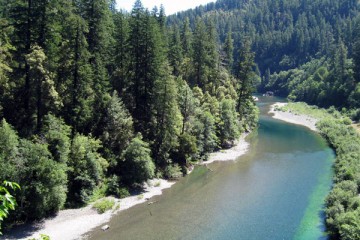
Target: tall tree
{"points": [[167, 121], [229, 51], [175, 53], [200, 57], [245, 77], [99, 38], [186, 38], [146, 56], [44, 95], [120, 69]]}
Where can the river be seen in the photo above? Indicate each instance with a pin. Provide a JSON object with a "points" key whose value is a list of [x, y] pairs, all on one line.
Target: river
{"points": [[275, 191]]}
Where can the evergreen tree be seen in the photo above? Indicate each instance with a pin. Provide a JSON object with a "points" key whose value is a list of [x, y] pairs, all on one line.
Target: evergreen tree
{"points": [[175, 53], [146, 58], [99, 39], [200, 57], [167, 121], [120, 74], [76, 76], [118, 129], [229, 50], [245, 75], [186, 38]]}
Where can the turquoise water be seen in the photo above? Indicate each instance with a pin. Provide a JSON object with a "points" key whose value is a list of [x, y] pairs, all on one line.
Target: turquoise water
{"points": [[275, 191]]}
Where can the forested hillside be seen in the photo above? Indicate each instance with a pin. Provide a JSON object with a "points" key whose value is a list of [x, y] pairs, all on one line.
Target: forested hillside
{"points": [[94, 101], [306, 50]]}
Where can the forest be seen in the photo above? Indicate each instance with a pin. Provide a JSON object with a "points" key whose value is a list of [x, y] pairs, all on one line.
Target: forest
{"points": [[95, 101]]}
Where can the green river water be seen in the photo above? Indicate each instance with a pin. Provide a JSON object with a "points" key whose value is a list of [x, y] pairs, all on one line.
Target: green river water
{"points": [[275, 191]]}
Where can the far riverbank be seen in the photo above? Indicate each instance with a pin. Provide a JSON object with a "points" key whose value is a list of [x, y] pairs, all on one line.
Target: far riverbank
{"points": [[287, 116]]}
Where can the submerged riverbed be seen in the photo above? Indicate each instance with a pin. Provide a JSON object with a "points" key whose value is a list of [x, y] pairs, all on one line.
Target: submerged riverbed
{"points": [[275, 191]]}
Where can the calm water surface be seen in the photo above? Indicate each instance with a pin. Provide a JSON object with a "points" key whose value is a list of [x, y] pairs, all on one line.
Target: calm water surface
{"points": [[275, 191]]}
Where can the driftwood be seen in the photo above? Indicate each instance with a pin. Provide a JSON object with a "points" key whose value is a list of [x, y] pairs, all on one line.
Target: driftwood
{"points": [[149, 203]]}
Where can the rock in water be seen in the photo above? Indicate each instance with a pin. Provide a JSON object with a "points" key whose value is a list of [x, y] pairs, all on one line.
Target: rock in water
{"points": [[105, 227]]}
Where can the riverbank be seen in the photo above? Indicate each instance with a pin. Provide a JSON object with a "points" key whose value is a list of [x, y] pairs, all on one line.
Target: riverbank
{"points": [[240, 148], [73, 223], [288, 116]]}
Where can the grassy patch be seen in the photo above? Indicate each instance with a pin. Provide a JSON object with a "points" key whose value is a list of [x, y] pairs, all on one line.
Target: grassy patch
{"points": [[103, 205]]}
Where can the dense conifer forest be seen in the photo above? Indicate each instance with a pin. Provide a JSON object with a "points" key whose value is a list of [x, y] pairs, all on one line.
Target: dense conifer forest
{"points": [[95, 101]]}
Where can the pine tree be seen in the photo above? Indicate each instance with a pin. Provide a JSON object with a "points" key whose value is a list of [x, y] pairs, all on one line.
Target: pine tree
{"points": [[245, 76], [186, 38], [99, 38], [120, 74], [76, 76], [200, 57], [118, 129], [175, 53], [146, 57], [167, 122], [229, 50]]}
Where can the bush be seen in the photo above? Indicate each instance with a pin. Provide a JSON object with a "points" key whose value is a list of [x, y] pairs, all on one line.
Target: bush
{"points": [[103, 205], [122, 192], [173, 171]]}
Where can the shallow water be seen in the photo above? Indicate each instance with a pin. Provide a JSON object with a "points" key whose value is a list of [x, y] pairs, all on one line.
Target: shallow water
{"points": [[275, 191]]}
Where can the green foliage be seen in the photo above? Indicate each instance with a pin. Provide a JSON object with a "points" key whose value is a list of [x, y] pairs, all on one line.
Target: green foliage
{"points": [[42, 237], [103, 205], [9, 142], [118, 128], [228, 125], [7, 201], [123, 192], [43, 181], [57, 136], [173, 171], [137, 162], [44, 95], [74, 72], [205, 131], [86, 168]]}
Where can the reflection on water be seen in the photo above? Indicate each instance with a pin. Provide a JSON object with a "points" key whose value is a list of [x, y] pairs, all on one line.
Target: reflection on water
{"points": [[275, 191]]}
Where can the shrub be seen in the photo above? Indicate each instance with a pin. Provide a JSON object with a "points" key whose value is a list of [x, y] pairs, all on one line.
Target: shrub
{"points": [[173, 171], [103, 205], [122, 192]]}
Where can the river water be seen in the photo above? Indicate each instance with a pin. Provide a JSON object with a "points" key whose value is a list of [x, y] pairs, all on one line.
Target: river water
{"points": [[275, 191]]}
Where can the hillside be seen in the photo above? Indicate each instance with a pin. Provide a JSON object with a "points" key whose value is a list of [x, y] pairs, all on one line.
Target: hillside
{"points": [[306, 49]]}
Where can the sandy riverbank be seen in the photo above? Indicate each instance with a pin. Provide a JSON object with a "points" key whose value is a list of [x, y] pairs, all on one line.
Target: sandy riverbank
{"points": [[73, 223], [231, 154], [292, 117]]}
